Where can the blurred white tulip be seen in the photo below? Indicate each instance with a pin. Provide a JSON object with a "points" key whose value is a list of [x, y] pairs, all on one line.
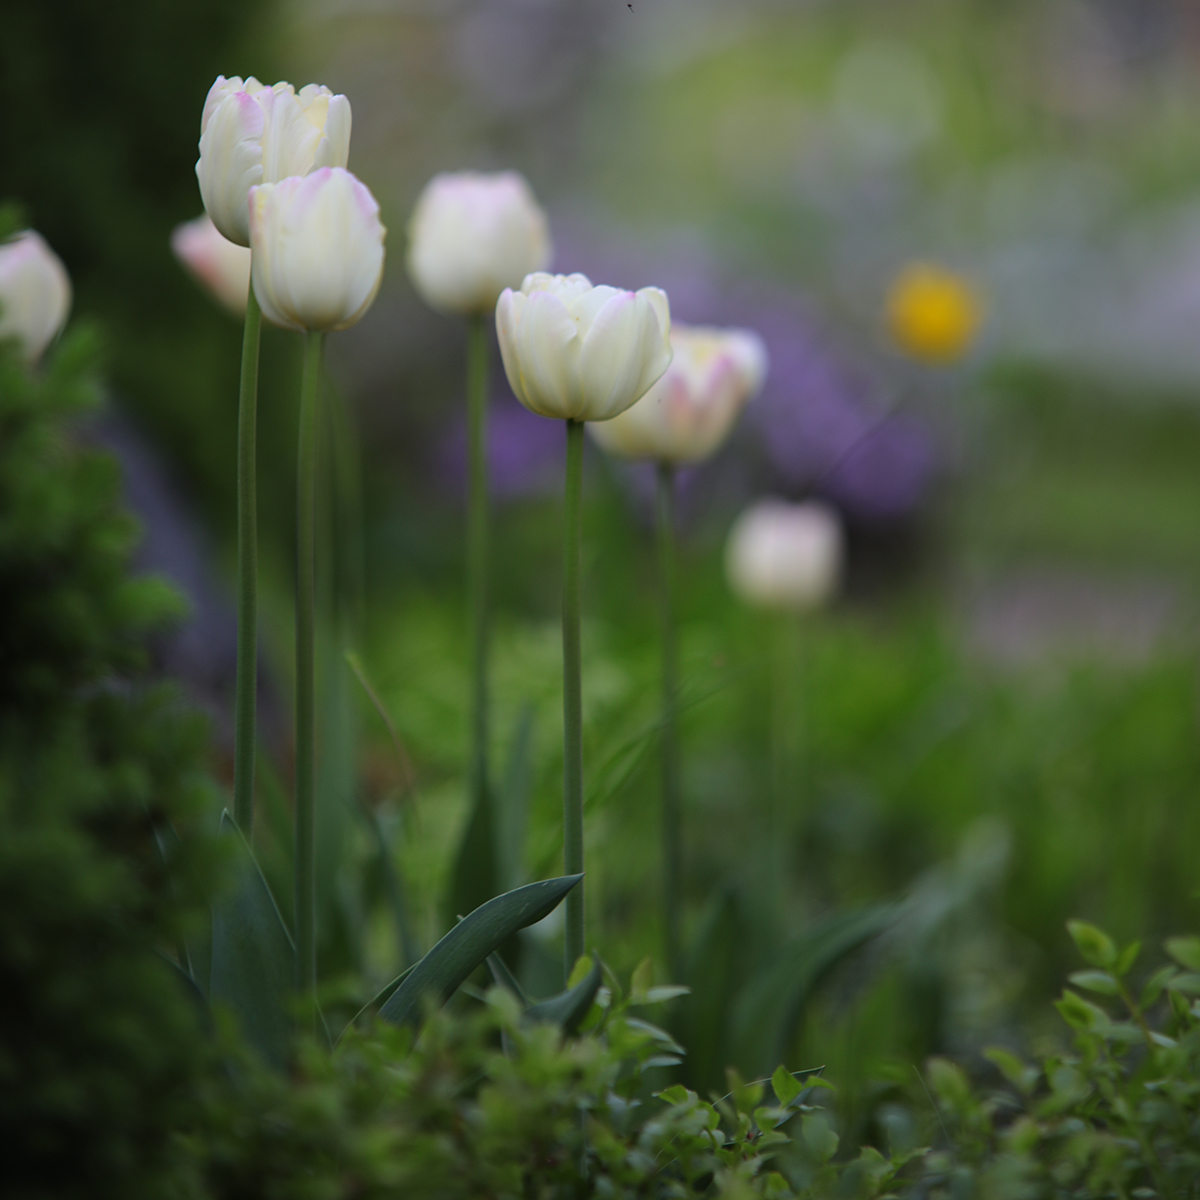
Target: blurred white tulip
{"points": [[580, 352], [252, 134], [473, 235], [688, 413], [222, 266], [317, 245], [35, 293], [785, 556]]}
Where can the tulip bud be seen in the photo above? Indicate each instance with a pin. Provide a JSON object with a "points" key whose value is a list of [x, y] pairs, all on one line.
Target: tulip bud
{"points": [[220, 265], [35, 293], [785, 556], [933, 314], [687, 414], [317, 246], [580, 352], [251, 134], [471, 236]]}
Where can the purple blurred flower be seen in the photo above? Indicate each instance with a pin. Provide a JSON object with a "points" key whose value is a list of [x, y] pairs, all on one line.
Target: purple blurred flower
{"points": [[525, 452], [825, 427]]}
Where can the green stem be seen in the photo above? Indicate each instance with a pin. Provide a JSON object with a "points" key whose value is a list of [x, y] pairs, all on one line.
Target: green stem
{"points": [[671, 815], [306, 513], [785, 735], [247, 612], [572, 694], [477, 553]]}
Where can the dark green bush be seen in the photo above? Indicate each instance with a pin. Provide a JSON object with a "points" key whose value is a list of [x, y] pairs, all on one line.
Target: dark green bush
{"points": [[98, 768]]}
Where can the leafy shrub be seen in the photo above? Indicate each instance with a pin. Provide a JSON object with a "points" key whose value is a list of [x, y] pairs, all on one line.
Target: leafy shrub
{"points": [[101, 1043]]}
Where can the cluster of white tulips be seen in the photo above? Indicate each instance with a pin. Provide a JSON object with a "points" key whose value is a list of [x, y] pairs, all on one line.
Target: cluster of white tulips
{"points": [[290, 234]]}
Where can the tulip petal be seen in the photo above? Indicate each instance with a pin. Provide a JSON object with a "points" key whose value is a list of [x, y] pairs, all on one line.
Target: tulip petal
{"points": [[289, 139], [333, 150], [508, 316], [616, 353], [230, 163], [548, 352]]}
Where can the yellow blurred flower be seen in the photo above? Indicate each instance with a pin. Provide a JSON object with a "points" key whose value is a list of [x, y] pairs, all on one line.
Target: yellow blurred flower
{"points": [[933, 314]]}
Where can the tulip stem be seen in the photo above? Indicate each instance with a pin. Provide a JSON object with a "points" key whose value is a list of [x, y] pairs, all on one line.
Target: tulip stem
{"points": [[306, 514], [572, 695], [671, 816], [247, 612], [787, 686], [477, 553]]}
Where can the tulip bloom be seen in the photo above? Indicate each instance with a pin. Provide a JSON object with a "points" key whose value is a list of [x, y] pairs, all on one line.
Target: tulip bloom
{"points": [[933, 314], [785, 556], [688, 413], [222, 266], [317, 246], [473, 235], [35, 293], [252, 134], [579, 352]]}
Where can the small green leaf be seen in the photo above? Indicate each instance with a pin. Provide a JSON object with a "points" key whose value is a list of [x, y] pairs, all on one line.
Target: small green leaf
{"points": [[642, 978], [820, 1141], [949, 1082], [1127, 958], [1188, 983], [1095, 981], [469, 943], [746, 1096], [1094, 944], [662, 993], [1079, 1014], [1185, 951], [1022, 1077], [677, 1094], [1155, 984], [568, 1009], [580, 971], [785, 1085], [253, 961]]}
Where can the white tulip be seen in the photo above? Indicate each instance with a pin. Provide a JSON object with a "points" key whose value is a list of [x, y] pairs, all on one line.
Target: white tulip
{"points": [[222, 266], [252, 134], [785, 556], [473, 235], [35, 293], [687, 414], [580, 352], [317, 246]]}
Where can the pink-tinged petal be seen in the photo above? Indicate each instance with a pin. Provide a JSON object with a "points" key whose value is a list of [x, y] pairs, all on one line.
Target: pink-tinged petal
{"points": [[220, 265], [220, 89]]}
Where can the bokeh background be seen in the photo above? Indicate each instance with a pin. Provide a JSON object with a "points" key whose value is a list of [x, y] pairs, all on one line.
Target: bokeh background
{"points": [[997, 721]]}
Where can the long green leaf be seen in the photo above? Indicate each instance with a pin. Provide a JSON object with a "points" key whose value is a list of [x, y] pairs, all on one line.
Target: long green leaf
{"points": [[469, 943], [253, 960], [568, 1008], [768, 1010], [377, 1001], [715, 965]]}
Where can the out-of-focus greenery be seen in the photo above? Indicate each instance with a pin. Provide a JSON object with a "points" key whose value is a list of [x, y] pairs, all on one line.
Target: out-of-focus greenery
{"points": [[100, 775]]}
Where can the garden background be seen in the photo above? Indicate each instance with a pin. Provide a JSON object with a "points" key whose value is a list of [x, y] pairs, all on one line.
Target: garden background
{"points": [[998, 716]]}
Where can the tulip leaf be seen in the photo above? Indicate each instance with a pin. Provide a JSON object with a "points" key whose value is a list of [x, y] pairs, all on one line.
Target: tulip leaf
{"points": [[768, 1010], [568, 1009], [503, 977], [715, 965], [470, 942], [378, 1000], [253, 960]]}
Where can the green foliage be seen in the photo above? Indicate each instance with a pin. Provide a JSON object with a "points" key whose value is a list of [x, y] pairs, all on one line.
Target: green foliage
{"points": [[1120, 1116], [98, 771]]}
